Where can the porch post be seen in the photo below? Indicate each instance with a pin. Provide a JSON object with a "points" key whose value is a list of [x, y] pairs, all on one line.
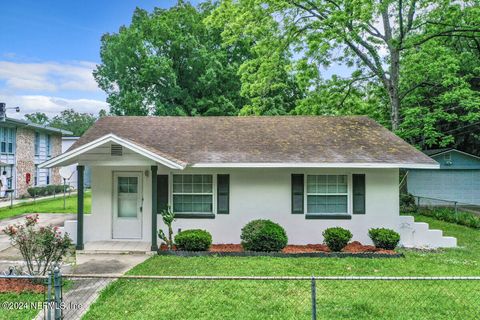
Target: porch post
{"points": [[80, 171], [154, 208]]}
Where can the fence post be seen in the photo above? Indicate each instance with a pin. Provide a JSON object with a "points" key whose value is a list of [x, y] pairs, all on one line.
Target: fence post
{"points": [[57, 283], [49, 296], [418, 201], [11, 199], [456, 209], [314, 299]]}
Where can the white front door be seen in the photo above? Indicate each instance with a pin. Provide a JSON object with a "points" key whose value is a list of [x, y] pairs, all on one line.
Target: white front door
{"points": [[127, 205]]}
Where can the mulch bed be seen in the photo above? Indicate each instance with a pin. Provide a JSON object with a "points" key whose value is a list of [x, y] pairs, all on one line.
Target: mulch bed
{"points": [[20, 285], [354, 248]]}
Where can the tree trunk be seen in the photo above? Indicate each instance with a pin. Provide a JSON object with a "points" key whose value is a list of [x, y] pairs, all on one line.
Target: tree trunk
{"points": [[394, 87]]}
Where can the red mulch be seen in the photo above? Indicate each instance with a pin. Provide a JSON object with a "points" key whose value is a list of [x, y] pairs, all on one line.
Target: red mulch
{"points": [[352, 247], [20, 285]]}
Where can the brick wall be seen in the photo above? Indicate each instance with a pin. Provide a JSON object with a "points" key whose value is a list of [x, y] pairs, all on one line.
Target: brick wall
{"points": [[25, 159], [56, 150]]}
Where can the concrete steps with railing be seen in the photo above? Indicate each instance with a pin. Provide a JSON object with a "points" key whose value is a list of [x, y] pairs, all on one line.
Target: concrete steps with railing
{"points": [[419, 234]]}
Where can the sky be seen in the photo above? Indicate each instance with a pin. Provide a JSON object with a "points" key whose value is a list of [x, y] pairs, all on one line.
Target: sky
{"points": [[49, 48]]}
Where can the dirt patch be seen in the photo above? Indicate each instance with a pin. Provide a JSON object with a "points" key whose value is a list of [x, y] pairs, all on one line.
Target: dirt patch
{"points": [[21, 285], [352, 247]]}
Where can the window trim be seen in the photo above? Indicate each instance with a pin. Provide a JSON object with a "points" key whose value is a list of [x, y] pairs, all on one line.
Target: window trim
{"points": [[332, 215], [193, 215]]}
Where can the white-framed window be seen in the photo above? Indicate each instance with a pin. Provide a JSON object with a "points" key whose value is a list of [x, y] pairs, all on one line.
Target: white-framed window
{"points": [[327, 194], [447, 156], [192, 193], [7, 139]]}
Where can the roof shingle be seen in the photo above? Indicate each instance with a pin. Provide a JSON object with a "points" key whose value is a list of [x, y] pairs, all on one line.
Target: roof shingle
{"points": [[279, 139]]}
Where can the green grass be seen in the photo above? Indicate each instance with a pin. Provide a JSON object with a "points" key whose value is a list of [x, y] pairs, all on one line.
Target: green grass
{"points": [[176, 299], [24, 313], [46, 206]]}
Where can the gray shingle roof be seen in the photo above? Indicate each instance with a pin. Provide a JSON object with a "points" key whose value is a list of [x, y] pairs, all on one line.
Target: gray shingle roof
{"points": [[279, 139]]}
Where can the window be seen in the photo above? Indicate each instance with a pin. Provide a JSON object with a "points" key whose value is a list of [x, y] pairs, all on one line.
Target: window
{"points": [[49, 145], [37, 143], [327, 194], [7, 137], [192, 193], [447, 156]]}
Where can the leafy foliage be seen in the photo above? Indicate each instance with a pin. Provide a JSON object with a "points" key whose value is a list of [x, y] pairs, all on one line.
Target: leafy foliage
{"points": [[263, 235], [168, 218], [47, 190], [68, 119], [384, 238], [169, 63], [41, 247], [336, 238], [193, 240], [448, 214]]}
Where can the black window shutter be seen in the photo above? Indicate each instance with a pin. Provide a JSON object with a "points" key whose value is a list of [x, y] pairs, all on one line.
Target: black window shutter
{"points": [[162, 192], [297, 193], [358, 193], [223, 193]]}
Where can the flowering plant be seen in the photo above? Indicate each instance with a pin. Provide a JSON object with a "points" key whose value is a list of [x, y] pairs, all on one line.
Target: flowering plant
{"points": [[41, 247]]}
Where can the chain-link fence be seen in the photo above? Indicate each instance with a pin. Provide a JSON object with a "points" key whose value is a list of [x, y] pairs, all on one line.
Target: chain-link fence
{"points": [[29, 297], [455, 206], [150, 297]]}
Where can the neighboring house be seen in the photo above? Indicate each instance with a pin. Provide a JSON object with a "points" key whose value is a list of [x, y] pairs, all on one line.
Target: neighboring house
{"points": [[71, 180], [23, 146], [457, 180], [219, 173]]}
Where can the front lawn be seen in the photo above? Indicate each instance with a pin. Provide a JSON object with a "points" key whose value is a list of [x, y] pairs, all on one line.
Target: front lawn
{"points": [[181, 299], [47, 206], [21, 308]]}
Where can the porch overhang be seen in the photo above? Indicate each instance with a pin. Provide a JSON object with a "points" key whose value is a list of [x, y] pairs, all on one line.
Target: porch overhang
{"points": [[73, 156]]}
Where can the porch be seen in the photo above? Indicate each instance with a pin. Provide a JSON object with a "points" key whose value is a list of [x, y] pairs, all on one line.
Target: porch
{"points": [[116, 247]]}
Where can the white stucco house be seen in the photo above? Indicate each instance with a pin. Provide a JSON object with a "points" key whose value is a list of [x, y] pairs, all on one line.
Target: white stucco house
{"points": [[219, 173]]}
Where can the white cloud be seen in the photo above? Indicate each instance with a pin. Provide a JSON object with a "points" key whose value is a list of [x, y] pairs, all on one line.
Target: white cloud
{"points": [[48, 76], [50, 105]]}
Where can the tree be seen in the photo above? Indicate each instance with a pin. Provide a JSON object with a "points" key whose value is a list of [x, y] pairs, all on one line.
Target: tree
{"points": [[169, 63], [368, 35], [37, 117], [68, 119]]}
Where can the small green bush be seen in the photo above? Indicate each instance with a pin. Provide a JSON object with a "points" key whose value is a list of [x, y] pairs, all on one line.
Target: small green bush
{"points": [[193, 240], [384, 238], [263, 235], [336, 238]]}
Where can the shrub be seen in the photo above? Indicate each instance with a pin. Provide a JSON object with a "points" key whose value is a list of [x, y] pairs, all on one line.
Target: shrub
{"points": [[193, 240], [263, 235], [41, 247], [168, 218], [407, 203], [51, 189], [384, 238], [448, 215], [336, 238]]}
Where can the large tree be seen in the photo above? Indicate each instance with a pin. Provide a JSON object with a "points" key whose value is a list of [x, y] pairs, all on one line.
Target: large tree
{"points": [[169, 63], [368, 36]]}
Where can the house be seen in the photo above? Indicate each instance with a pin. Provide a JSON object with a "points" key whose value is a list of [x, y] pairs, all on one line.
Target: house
{"points": [[457, 180], [23, 146], [71, 180], [218, 173]]}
